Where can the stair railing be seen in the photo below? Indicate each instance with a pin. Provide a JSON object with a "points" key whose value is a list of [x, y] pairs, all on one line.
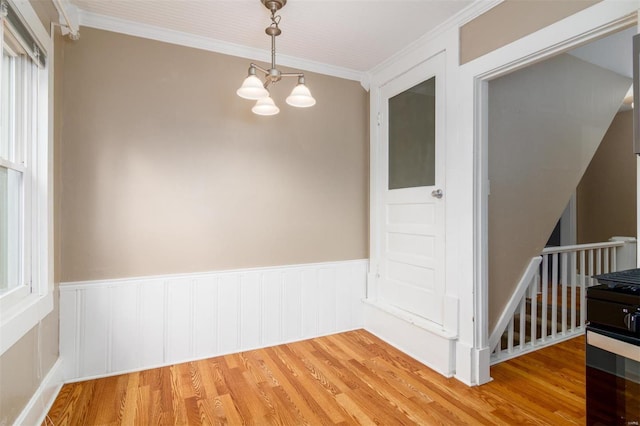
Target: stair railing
{"points": [[549, 304]]}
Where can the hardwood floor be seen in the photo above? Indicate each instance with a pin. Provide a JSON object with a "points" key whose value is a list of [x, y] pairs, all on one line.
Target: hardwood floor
{"points": [[344, 379]]}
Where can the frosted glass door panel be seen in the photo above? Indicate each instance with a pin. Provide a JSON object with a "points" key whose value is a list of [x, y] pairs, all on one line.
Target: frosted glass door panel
{"points": [[412, 137]]}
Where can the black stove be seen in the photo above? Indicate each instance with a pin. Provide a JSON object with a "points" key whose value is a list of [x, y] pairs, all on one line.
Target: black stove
{"points": [[613, 350], [614, 304]]}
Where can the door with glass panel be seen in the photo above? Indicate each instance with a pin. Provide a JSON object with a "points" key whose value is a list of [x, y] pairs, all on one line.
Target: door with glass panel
{"points": [[411, 270]]}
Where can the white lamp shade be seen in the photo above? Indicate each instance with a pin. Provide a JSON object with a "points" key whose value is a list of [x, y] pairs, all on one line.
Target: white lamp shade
{"points": [[301, 97], [265, 106], [252, 88]]}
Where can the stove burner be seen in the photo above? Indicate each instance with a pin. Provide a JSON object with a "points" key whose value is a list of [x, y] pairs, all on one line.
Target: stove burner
{"points": [[630, 277], [624, 288]]}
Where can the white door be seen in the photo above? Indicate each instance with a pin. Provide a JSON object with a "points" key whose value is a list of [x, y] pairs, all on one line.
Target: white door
{"points": [[411, 194]]}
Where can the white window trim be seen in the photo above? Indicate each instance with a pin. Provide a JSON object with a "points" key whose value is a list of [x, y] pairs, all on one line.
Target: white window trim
{"points": [[18, 319]]}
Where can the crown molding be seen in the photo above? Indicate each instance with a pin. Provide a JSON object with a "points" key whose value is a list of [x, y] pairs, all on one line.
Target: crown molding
{"points": [[68, 18], [102, 22], [365, 81], [466, 15], [474, 10], [469, 13]]}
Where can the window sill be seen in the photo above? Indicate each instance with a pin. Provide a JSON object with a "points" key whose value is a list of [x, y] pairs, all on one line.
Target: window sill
{"points": [[21, 318]]}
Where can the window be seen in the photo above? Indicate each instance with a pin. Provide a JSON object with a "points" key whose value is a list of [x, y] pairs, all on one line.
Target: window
{"points": [[16, 92], [25, 286]]}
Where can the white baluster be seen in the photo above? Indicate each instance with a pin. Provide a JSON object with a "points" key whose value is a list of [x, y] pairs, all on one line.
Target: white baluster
{"points": [[533, 297], [545, 296], [583, 289], [574, 302], [565, 280], [554, 296], [569, 271], [510, 337], [590, 268], [523, 318]]}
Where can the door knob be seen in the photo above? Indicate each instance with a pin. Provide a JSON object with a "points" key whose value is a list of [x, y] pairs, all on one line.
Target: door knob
{"points": [[437, 193]]}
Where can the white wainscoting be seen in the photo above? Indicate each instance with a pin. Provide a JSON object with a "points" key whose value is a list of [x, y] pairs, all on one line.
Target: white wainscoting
{"points": [[113, 326]]}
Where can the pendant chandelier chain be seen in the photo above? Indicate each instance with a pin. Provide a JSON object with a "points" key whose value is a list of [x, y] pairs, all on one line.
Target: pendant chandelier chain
{"points": [[274, 31]]}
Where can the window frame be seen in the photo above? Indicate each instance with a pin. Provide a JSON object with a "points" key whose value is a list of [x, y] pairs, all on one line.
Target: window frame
{"points": [[20, 98], [20, 311]]}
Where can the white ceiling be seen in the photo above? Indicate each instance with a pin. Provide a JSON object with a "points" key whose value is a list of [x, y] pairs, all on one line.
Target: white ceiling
{"points": [[355, 35]]}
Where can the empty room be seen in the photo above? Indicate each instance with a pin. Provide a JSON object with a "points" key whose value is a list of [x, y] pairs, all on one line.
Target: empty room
{"points": [[319, 212]]}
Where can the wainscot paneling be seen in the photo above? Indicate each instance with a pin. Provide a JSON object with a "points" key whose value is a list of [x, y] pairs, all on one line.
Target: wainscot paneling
{"points": [[113, 326]]}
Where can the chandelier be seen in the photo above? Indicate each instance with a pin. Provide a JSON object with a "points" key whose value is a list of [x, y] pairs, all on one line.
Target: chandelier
{"points": [[253, 88]]}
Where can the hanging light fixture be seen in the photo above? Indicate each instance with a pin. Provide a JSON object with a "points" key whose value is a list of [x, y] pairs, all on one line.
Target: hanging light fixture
{"points": [[253, 88]]}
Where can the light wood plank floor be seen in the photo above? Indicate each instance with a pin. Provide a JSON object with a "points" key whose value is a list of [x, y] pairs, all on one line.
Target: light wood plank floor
{"points": [[344, 379]]}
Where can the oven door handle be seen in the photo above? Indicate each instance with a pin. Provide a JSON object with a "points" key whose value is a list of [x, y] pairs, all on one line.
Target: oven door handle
{"points": [[618, 347]]}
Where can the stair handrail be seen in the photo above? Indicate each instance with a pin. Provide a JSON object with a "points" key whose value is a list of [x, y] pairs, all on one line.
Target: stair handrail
{"points": [[529, 274], [582, 254], [575, 247]]}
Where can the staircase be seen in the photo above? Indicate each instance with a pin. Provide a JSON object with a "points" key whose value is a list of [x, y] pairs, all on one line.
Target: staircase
{"points": [[549, 305]]}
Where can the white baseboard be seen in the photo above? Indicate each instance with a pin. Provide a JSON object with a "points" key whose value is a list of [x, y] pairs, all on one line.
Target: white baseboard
{"points": [[433, 347], [464, 363], [472, 365], [113, 326], [38, 407]]}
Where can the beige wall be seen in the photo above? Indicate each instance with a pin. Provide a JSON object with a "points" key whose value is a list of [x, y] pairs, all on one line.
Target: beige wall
{"points": [[543, 131], [166, 170], [46, 11], [26, 363], [512, 20], [606, 196], [18, 377]]}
